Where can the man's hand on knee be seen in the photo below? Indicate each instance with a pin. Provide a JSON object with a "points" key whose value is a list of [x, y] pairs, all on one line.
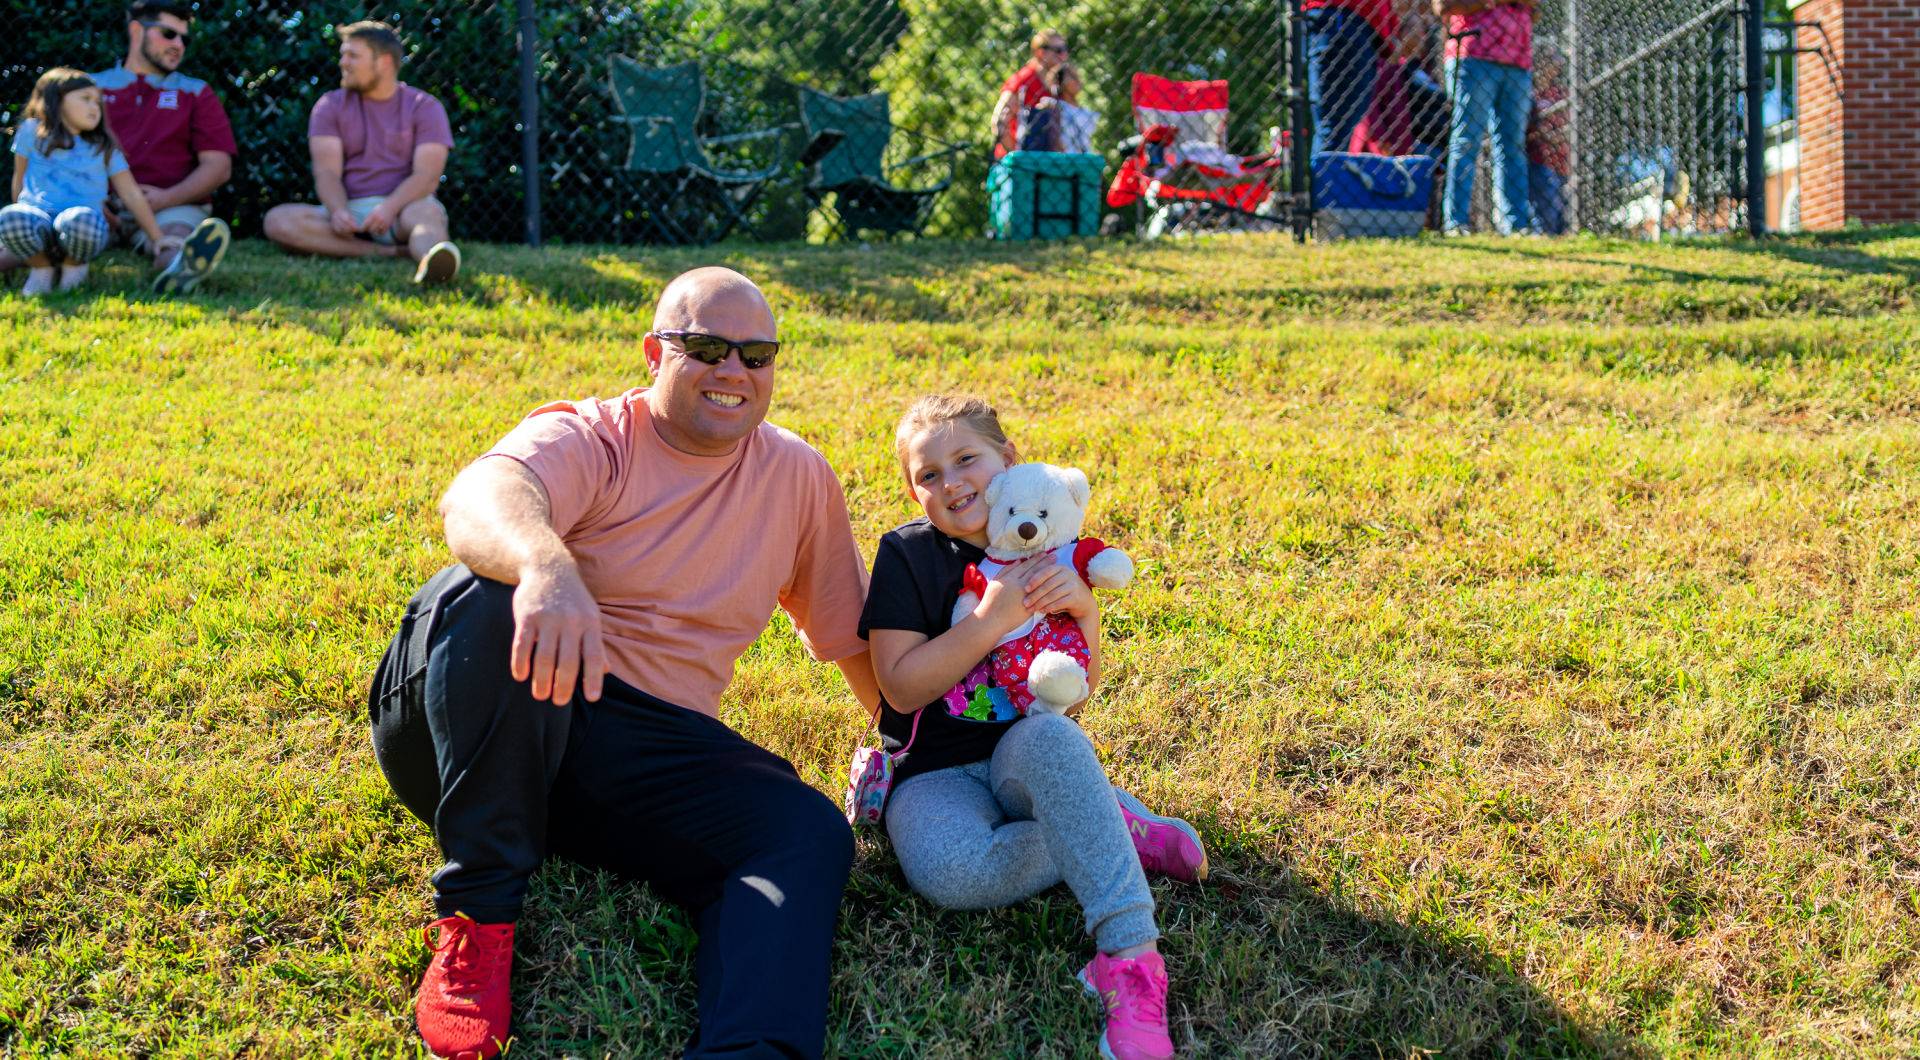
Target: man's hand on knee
{"points": [[556, 636]]}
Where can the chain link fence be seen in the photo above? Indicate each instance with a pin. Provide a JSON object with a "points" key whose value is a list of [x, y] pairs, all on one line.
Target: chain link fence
{"points": [[774, 120]]}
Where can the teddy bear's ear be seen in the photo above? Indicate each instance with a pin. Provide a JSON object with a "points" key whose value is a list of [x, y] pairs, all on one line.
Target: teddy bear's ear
{"points": [[993, 489], [1077, 486]]}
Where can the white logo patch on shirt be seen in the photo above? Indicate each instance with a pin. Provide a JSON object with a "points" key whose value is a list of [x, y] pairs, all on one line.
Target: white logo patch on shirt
{"points": [[169, 99]]}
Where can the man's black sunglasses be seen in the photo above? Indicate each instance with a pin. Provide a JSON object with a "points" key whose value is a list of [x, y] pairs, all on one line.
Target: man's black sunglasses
{"points": [[712, 349], [165, 31]]}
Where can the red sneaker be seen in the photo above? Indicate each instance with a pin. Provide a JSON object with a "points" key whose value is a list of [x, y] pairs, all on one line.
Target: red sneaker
{"points": [[462, 1008], [1134, 993]]}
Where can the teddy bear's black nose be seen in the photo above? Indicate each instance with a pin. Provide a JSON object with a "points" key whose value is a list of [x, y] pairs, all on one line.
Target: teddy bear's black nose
{"points": [[1028, 531]]}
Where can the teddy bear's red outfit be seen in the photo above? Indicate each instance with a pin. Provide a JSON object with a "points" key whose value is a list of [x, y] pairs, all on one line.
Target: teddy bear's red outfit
{"points": [[1014, 655]]}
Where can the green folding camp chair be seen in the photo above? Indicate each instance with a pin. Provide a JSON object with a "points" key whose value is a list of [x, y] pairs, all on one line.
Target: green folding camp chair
{"points": [[680, 196], [854, 173]]}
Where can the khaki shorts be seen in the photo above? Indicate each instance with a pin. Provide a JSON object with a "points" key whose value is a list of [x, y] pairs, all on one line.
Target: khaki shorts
{"points": [[188, 214], [366, 204]]}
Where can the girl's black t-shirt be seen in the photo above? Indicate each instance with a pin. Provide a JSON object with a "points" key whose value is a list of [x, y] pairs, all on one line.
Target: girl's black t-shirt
{"points": [[916, 581]]}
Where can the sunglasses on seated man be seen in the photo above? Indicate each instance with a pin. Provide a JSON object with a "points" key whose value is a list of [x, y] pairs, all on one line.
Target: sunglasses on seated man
{"points": [[165, 31], [712, 349]]}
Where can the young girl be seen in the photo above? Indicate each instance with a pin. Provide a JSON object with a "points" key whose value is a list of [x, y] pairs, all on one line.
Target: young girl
{"points": [[985, 813], [64, 159]]}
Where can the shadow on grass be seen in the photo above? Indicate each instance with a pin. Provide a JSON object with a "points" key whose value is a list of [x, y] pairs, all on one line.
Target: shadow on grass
{"points": [[1650, 274], [1262, 966], [1827, 250], [1836, 250]]}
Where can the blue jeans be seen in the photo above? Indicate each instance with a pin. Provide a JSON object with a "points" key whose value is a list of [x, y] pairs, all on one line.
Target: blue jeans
{"points": [[1501, 96], [1343, 61], [1548, 193]]}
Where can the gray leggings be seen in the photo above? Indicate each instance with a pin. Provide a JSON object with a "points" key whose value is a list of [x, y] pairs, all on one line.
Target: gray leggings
{"points": [[1039, 812]]}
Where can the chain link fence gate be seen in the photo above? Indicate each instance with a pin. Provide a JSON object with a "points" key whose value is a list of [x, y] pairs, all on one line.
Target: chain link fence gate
{"points": [[835, 119]]}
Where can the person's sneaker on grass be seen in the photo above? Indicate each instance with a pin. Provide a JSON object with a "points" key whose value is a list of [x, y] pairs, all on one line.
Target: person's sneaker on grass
{"points": [[1166, 845], [199, 255], [39, 281], [440, 264], [1134, 993], [463, 1005]]}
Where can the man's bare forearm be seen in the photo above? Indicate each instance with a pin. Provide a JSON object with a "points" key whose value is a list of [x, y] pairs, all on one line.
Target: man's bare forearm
{"points": [[417, 186], [858, 671], [497, 521], [331, 189], [199, 185], [1445, 8]]}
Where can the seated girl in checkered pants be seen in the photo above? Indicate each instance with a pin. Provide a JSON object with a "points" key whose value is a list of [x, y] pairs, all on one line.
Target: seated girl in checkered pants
{"points": [[64, 159]]}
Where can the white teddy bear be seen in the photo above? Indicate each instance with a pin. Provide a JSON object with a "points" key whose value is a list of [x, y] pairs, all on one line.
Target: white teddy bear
{"points": [[1035, 508]]}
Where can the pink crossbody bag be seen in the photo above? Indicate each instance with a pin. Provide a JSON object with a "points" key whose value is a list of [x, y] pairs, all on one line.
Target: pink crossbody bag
{"points": [[870, 777]]}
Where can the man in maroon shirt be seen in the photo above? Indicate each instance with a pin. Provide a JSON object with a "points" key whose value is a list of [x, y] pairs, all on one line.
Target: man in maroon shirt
{"points": [[378, 146], [1025, 88], [177, 142]]}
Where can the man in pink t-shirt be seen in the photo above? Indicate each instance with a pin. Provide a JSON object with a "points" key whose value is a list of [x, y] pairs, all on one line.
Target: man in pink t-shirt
{"points": [[378, 146], [632, 548]]}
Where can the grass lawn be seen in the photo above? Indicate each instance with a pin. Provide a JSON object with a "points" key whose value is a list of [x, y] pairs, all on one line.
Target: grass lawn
{"points": [[1529, 626]]}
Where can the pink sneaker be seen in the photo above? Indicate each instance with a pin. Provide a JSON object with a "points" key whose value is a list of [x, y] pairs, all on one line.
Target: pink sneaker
{"points": [[1166, 845], [1135, 995]]}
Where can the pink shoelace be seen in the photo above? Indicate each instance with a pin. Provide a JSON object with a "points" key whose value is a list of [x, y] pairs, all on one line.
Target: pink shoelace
{"points": [[1143, 998]]}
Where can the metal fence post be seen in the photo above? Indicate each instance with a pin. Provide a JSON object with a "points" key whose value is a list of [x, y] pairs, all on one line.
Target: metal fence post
{"points": [[530, 120], [1300, 119], [1756, 120], [1573, 116]]}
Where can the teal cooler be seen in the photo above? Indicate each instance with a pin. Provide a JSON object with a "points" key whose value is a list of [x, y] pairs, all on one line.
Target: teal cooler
{"points": [[1045, 195]]}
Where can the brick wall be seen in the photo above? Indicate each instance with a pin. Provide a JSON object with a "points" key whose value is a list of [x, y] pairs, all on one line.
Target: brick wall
{"points": [[1860, 156]]}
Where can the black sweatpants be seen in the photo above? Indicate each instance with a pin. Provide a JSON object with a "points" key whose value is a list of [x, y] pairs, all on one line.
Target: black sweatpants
{"points": [[632, 784]]}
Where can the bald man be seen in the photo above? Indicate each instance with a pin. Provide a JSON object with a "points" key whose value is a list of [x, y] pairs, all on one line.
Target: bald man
{"points": [[557, 691]]}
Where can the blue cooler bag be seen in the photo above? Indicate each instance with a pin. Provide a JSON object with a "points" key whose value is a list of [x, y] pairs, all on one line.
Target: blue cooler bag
{"points": [[1355, 196]]}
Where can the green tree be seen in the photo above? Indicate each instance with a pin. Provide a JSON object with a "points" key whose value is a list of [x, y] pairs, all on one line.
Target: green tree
{"points": [[945, 74]]}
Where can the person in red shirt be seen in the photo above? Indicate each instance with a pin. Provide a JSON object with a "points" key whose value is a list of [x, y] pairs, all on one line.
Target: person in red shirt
{"points": [[1026, 88], [379, 146], [1549, 145], [178, 143], [1347, 40]]}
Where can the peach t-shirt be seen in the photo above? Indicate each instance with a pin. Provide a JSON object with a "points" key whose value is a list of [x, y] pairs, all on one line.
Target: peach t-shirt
{"points": [[689, 555]]}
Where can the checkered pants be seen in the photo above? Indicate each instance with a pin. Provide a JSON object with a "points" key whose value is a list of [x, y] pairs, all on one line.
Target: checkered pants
{"points": [[78, 234]]}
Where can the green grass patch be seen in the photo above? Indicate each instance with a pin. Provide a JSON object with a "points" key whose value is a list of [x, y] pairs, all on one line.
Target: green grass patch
{"points": [[1529, 626]]}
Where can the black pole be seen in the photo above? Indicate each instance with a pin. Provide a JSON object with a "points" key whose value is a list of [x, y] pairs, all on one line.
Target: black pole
{"points": [[1756, 121], [530, 119], [1300, 120]]}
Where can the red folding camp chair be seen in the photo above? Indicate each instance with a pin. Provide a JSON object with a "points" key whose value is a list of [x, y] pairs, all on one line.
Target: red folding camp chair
{"points": [[1181, 170]]}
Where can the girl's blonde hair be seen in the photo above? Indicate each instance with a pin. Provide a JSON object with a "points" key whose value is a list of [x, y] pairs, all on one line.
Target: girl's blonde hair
{"points": [[1044, 34], [44, 106], [937, 409]]}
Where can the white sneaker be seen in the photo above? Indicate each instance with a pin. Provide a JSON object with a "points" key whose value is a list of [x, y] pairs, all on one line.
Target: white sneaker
{"points": [[72, 276], [39, 282], [440, 264]]}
